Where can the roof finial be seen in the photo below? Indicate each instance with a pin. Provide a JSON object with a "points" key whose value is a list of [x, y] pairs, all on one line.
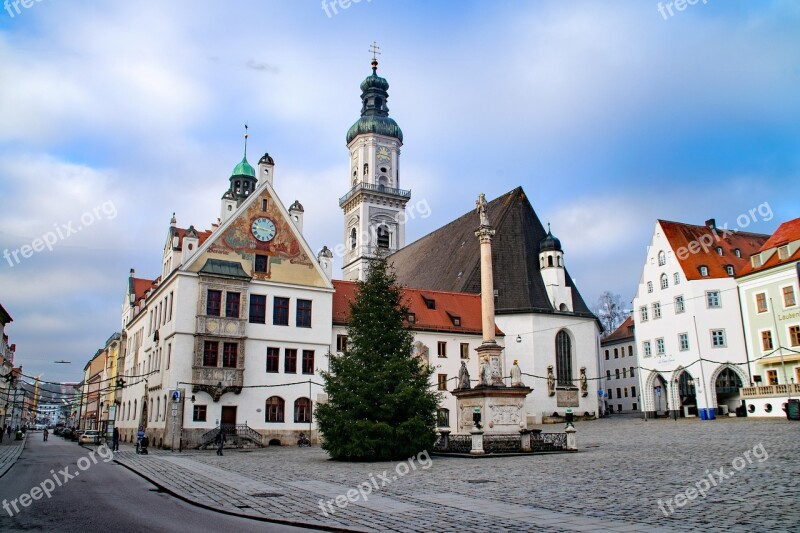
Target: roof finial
{"points": [[548, 227], [374, 48], [245, 140]]}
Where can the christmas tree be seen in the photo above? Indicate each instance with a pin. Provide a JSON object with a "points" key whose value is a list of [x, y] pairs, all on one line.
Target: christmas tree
{"points": [[380, 406]]}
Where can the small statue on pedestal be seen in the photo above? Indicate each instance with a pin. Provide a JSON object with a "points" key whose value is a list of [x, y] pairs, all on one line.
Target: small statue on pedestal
{"points": [[463, 376], [486, 372], [516, 375], [584, 389], [551, 381]]}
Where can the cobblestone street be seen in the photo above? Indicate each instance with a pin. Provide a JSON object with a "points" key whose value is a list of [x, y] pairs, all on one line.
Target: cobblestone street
{"points": [[624, 478]]}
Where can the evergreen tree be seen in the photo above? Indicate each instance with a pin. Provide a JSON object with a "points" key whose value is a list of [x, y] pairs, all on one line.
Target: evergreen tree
{"points": [[380, 406]]}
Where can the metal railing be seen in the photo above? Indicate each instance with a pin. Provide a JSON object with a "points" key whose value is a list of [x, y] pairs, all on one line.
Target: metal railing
{"points": [[233, 430], [373, 188]]}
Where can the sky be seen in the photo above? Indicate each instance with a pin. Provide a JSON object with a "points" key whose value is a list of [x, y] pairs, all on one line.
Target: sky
{"points": [[610, 115]]}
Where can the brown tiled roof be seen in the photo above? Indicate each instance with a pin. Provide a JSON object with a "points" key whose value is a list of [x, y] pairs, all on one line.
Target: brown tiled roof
{"points": [[786, 233], [682, 236], [449, 258], [201, 235], [448, 305], [623, 332]]}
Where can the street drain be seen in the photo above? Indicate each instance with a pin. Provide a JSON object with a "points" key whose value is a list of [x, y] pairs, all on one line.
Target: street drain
{"points": [[266, 495], [479, 481]]}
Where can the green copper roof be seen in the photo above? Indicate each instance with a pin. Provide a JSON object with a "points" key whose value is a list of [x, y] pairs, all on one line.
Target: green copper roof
{"points": [[244, 169], [373, 81], [375, 124]]}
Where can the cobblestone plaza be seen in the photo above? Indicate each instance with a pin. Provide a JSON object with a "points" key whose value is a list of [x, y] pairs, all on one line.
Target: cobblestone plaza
{"points": [[629, 475]]}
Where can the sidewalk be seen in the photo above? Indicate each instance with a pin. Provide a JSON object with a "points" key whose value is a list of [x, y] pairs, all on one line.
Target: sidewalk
{"points": [[292, 486], [10, 450]]}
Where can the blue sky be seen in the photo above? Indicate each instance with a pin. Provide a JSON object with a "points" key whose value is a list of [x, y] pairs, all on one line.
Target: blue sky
{"points": [[608, 114]]}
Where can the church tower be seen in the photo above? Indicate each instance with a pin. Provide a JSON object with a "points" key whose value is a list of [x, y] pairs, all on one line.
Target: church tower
{"points": [[374, 206], [551, 266]]}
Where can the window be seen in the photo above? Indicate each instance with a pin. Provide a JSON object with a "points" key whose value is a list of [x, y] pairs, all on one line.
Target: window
{"points": [[258, 309], [633, 394], [232, 305], [660, 346], [712, 299], [280, 311], [656, 310], [719, 250], [632, 375], [353, 240], [794, 336], [625, 390], [199, 413], [303, 313], [729, 269], [264, 204], [430, 303], [677, 279], [464, 350], [772, 377], [761, 302], [341, 343], [274, 409], [643, 313], [442, 381], [383, 237], [649, 286], [308, 361], [169, 354], [261, 263], [755, 260], [683, 340], [230, 351], [302, 410], [606, 355], [766, 340], [443, 418], [616, 353], [718, 338], [412, 318], [290, 360], [616, 373], [788, 297], [273, 357], [619, 395], [563, 358], [737, 252], [662, 258], [679, 305], [646, 349], [608, 374], [624, 373], [441, 348], [703, 271], [169, 308], [213, 302], [210, 350], [630, 350], [610, 396], [783, 252], [664, 281]]}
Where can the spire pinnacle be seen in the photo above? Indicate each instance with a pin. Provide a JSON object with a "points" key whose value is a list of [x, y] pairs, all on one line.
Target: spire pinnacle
{"points": [[374, 48], [245, 140]]}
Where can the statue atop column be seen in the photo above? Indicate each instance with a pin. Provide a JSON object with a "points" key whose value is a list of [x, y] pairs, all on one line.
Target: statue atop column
{"points": [[481, 204], [463, 376], [516, 375]]}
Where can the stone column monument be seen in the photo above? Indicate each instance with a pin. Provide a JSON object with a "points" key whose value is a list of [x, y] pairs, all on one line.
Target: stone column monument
{"points": [[502, 408]]}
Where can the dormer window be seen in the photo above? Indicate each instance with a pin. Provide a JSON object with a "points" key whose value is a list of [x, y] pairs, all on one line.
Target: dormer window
{"points": [[737, 252], [703, 270], [430, 303], [729, 269], [783, 252], [755, 260], [456, 320], [719, 250], [412, 318]]}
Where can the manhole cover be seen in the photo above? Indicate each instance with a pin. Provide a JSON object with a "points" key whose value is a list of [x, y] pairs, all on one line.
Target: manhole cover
{"points": [[479, 481], [266, 495]]}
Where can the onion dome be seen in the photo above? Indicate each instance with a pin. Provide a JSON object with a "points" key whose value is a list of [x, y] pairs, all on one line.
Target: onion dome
{"points": [[550, 243]]}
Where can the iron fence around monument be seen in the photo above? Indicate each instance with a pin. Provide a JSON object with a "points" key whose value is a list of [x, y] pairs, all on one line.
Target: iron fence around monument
{"points": [[502, 444], [548, 442]]}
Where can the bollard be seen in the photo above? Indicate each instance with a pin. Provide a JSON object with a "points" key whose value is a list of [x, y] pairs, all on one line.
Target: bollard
{"points": [[445, 433], [477, 442], [525, 440], [572, 443]]}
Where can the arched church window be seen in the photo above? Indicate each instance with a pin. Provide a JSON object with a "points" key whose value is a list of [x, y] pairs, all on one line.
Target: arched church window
{"points": [[559, 260], [563, 358], [383, 237], [353, 241], [662, 258], [549, 260]]}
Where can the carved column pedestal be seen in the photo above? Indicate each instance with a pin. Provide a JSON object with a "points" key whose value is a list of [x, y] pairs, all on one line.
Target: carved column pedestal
{"points": [[502, 409]]}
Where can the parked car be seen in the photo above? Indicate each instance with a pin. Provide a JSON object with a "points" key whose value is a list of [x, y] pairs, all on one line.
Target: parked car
{"points": [[66, 433], [90, 436], [76, 434]]}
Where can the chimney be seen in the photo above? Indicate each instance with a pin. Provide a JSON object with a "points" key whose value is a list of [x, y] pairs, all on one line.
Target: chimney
{"points": [[711, 224]]}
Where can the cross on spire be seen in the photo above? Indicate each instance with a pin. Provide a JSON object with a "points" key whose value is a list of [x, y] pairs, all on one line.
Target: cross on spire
{"points": [[245, 140], [375, 49]]}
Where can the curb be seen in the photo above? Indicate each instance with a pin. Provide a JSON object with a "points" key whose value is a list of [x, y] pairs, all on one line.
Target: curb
{"points": [[188, 500], [11, 464]]}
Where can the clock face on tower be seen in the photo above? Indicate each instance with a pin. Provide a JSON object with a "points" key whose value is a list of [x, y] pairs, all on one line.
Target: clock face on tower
{"points": [[383, 154], [263, 229]]}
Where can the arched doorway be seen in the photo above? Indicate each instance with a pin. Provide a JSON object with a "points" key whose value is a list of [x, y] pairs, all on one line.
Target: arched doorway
{"points": [[655, 396], [727, 385], [143, 419], [687, 394]]}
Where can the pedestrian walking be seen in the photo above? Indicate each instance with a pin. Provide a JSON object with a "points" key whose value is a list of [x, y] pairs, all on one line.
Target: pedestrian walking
{"points": [[45, 433], [220, 441], [115, 440]]}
